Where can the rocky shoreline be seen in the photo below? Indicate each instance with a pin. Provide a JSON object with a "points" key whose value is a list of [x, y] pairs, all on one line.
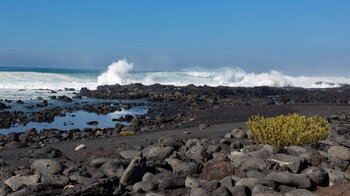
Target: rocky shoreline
{"points": [[192, 142], [228, 165]]}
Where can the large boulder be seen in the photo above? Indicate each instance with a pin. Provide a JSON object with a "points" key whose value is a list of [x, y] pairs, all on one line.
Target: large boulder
{"points": [[134, 172], [300, 192], [130, 154], [340, 152], [2, 106], [144, 186], [171, 183], [55, 180], [47, 166], [113, 168], [283, 162], [337, 177], [219, 170], [182, 169], [159, 153], [289, 179], [17, 182], [199, 192]]}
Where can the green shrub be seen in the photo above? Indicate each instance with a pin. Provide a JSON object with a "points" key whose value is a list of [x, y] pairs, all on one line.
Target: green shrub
{"points": [[287, 130]]}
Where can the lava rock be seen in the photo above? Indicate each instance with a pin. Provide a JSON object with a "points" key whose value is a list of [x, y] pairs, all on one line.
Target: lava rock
{"points": [[47, 166], [289, 179], [339, 152], [16, 182]]}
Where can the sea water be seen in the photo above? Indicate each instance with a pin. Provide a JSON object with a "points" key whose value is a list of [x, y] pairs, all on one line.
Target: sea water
{"points": [[30, 83]]}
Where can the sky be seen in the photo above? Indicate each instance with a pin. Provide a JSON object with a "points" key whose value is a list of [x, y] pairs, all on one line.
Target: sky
{"points": [[298, 37]]}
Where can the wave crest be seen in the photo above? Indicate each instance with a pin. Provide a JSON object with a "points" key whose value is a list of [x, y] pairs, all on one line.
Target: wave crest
{"points": [[119, 73], [115, 73]]}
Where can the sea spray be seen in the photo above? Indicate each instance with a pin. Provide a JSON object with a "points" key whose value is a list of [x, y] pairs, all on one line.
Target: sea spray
{"points": [[116, 73]]}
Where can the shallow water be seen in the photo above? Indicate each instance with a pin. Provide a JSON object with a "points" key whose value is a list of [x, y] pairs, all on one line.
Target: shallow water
{"points": [[78, 119]]}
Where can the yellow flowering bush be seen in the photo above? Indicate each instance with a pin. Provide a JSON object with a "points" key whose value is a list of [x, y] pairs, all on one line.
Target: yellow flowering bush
{"points": [[292, 129], [126, 133]]}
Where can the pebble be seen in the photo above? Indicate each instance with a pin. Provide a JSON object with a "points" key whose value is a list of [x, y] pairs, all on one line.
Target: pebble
{"points": [[80, 147]]}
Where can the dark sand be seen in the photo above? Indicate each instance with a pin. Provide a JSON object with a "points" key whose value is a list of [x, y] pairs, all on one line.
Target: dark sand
{"points": [[220, 122]]}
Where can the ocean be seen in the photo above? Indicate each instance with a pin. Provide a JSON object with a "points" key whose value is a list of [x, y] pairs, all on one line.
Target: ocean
{"points": [[29, 83]]}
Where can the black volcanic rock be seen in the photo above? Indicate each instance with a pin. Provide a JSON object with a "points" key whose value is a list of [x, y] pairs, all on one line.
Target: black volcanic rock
{"points": [[3, 106], [64, 98]]}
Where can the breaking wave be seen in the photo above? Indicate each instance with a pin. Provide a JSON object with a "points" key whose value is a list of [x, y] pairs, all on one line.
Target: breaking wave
{"points": [[121, 72]]}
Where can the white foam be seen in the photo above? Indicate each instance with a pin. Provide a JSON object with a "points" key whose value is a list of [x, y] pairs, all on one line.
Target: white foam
{"points": [[120, 72], [115, 73], [35, 80]]}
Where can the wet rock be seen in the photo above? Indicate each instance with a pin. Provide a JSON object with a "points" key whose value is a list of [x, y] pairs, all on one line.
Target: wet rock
{"points": [[92, 123], [2, 106], [64, 98], [17, 182], [19, 102], [289, 179], [47, 166], [339, 152]]}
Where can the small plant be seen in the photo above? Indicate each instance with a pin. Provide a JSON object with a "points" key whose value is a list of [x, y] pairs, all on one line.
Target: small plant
{"points": [[287, 130], [125, 133]]}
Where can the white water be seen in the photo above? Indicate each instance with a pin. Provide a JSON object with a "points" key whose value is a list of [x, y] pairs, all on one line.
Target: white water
{"points": [[121, 72]]}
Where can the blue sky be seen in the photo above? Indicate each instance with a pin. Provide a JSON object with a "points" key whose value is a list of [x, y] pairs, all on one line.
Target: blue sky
{"points": [[298, 37]]}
